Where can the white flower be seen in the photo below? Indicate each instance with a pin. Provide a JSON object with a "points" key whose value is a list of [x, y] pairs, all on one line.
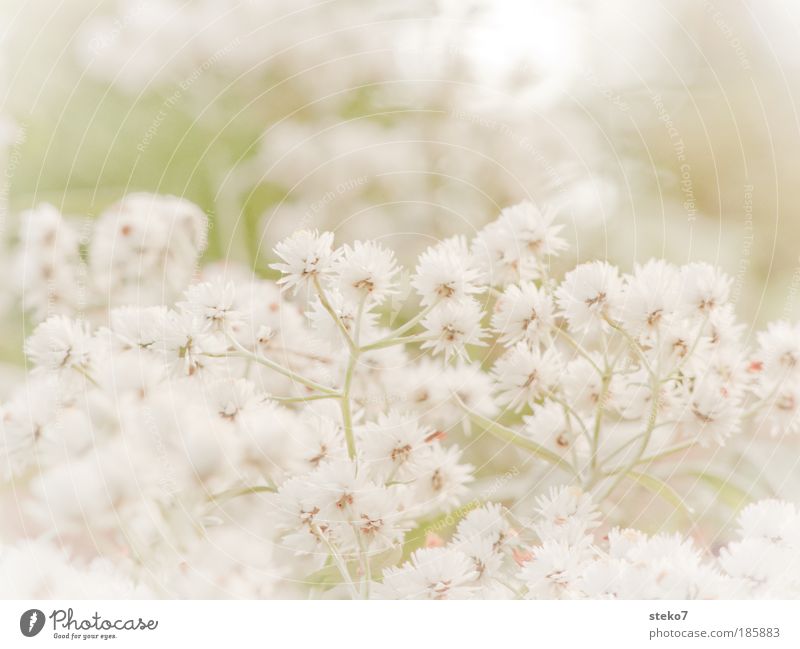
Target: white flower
{"points": [[589, 295], [379, 522], [704, 288], [446, 273], [39, 427], [137, 328], [346, 311], [583, 385], [500, 258], [724, 331], [779, 350], [453, 325], [298, 515], [565, 514], [230, 398], [658, 567], [651, 297], [367, 270], [553, 572], [524, 375], [47, 265], [523, 312], [188, 346], [773, 520], [712, 410], [780, 406], [394, 446], [472, 386], [145, 248], [60, 343], [306, 255], [339, 486], [432, 573], [443, 479], [548, 427], [38, 569], [531, 230], [512, 248], [489, 524], [320, 439], [215, 303]]}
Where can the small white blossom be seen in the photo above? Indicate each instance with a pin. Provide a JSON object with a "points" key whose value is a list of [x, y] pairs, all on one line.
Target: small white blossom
{"points": [[452, 326], [60, 343], [215, 303], [306, 255], [523, 312], [651, 297], [367, 270], [395, 446], [704, 289], [525, 375], [590, 295], [446, 273], [435, 573]]}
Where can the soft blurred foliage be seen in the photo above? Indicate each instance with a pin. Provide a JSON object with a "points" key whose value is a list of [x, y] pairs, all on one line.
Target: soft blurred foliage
{"points": [[666, 129]]}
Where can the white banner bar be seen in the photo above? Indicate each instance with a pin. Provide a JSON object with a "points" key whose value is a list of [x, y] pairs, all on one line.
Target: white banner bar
{"points": [[390, 624]]}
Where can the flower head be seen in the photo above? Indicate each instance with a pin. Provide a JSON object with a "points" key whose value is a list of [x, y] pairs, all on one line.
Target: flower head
{"points": [[366, 271], [446, 273], [60, 343], [452, 326], [306, 255], [590, 295], [523, 312]]}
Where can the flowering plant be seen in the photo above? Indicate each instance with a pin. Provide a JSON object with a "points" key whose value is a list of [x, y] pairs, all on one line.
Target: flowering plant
{"points": [[475, 428]]}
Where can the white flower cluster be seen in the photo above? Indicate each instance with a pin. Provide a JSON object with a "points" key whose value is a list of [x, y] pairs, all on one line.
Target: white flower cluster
{"points": [[236, 441], [142, 250], [40, 570], [566, 560]]}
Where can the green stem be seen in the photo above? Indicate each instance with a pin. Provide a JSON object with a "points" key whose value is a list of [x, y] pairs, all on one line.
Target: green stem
{"points": [[344, 401], [313, 397], [508, 435], [647, 459], [395, 338], [605, 382], [236, 492], [646, 435], [323, 298], [391, 342], [578, 347], [571, 414], [340, 564], [243, 352]]}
